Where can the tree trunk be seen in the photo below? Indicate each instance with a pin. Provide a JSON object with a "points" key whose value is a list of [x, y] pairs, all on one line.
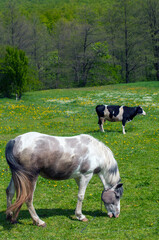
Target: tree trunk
{"points": [[126, 44], [156, 55]]}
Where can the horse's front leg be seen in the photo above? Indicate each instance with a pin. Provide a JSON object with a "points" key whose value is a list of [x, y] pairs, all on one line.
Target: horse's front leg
{"points": [[10, 194], [82, 184]]}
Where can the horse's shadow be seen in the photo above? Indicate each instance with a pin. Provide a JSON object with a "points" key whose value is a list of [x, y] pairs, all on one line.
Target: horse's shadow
{"points": [[45, 213]]}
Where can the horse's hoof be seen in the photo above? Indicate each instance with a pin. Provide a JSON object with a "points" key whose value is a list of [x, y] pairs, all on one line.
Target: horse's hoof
{"points": [[9, 217], [43, 225], [14, 221], [39, 225], [84, 220]]}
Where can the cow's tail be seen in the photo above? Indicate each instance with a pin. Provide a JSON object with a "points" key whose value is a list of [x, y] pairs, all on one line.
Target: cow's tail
{"points": [[22, 181]]}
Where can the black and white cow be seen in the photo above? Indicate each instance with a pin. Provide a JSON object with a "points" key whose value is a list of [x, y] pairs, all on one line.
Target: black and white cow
{"points": [[114, 113]]}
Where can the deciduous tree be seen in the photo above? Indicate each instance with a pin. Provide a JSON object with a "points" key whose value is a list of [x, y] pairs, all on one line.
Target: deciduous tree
{"points": [[14, 68]]}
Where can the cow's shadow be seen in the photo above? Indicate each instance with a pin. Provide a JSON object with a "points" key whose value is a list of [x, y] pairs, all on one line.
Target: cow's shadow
{"points": [[105, 131], [128, 129]]}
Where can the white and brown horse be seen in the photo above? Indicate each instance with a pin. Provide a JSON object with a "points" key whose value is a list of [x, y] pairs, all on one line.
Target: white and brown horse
{"points": [[60, 158]]}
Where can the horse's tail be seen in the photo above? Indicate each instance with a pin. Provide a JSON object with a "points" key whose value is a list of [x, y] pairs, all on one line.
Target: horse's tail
{"points": [[22, 180]]}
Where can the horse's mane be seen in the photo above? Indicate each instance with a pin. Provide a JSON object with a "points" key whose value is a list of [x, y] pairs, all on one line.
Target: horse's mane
{"points": [[110, 166]]}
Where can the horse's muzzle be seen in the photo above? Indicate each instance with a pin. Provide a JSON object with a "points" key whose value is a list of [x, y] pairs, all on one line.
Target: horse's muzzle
{"points": [[113, 215]]}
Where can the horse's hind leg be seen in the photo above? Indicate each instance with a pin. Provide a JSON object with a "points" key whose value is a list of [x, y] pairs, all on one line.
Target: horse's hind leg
{"points": [[36, 220], [10, 191], [82, 184]]}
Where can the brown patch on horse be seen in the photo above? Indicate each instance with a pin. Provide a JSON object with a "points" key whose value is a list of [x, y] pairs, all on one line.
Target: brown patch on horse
{"points": [[58, 164], [61, 169], [49, 158], [85, 166], [97, 170], [41, 155]]}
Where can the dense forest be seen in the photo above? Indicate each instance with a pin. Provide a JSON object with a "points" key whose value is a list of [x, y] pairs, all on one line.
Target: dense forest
{"points": [[77, 43]]}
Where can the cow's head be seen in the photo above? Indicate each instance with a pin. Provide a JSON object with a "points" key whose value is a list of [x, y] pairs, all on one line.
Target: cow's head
{"points": [[111, 199], [140, 111]]}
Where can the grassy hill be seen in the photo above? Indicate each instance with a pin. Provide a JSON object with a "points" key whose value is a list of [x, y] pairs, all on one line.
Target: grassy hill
{"points": [[70, 112]]}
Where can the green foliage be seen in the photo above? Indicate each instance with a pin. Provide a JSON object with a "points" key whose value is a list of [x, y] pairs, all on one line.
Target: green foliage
{"points": [[32, 81], [103, 70], [101, 49], [51, 66], [68, 112], [96, 42], [14, 69]]}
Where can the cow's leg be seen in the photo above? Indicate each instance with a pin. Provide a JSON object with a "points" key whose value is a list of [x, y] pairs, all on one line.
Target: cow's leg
{"points": [[82, 184], [101, 122], [10, 191], [123, 125], [36, 220]]}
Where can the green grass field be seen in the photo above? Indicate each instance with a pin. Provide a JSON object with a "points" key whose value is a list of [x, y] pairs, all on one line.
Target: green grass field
{"points": [[70, 112]]}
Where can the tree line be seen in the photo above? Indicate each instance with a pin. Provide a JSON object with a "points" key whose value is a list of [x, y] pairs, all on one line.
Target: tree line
{"points": [[78, 45]]}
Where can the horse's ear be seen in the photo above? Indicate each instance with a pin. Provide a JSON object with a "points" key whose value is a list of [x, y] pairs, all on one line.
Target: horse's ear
{"points": [[119, 186], [119, 190]]}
